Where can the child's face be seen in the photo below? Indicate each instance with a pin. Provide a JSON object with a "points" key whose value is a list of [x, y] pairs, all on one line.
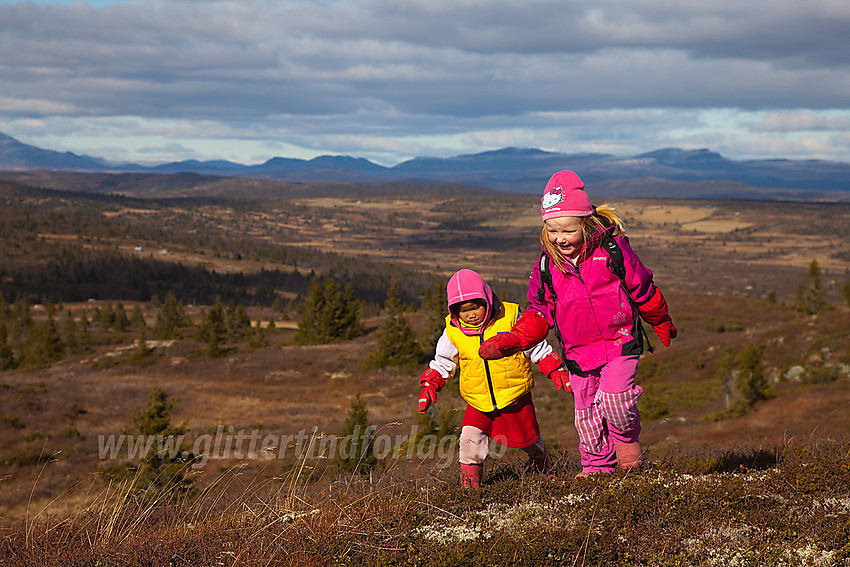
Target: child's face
{"points": [[471, 313], [566, 235]]}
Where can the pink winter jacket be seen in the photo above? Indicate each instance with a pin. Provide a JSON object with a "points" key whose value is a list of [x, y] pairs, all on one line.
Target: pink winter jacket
{"points": [[592, 316]]}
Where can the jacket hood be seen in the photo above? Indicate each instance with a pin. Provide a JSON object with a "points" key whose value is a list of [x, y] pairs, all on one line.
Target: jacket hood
{"points": [[466, 285]]}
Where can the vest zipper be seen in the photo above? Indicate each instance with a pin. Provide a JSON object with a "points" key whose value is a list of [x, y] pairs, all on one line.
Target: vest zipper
{"points": [[487, 372]]}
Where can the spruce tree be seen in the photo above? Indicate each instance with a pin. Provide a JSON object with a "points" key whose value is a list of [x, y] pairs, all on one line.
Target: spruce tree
{"points": [[120, 321], [43, 344], [170, 319], [142, 351], [348, 325], [258, 338], [137, 317], [105, 317], [70, 336], [237, 322], [397, 344], [7, 356], [435, 304], [355, 452], [811, 296], [162, 472], [329, 314], [308, 326], [85, 335], [213, 330], [751, 384]]}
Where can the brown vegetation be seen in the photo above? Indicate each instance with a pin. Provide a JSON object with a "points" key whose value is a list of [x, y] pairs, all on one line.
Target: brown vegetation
{"points": [[730, 271]]}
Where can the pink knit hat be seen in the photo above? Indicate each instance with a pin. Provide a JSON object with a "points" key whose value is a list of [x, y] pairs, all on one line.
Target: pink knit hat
{"points": [[466, 285], [565, 196]]}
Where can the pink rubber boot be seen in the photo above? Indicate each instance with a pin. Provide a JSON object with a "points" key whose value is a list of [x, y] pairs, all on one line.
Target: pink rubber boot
{"points": [[470, 475], [629, 456]]}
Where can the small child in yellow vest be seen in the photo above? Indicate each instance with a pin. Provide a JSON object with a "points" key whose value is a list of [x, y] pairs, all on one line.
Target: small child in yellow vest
{"points": [[497, 392]]}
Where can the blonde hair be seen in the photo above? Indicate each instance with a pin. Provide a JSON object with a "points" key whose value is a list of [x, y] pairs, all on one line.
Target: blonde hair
{"points": [[604, 218]]}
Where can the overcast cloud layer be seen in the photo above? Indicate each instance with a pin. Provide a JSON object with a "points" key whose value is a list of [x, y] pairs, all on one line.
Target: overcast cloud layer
{"points": [[159, 80]]}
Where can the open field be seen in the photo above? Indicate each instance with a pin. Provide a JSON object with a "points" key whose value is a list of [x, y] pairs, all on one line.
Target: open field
{"points": [[716, 262]]}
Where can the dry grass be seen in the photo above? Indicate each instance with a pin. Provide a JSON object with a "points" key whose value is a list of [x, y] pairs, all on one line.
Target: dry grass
{"points": [[714, 265], [786, 504]]}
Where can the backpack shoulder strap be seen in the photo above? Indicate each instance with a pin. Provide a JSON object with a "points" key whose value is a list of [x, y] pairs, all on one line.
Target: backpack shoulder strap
{"points": [[615, 257], [543, 263], [618, 267]]}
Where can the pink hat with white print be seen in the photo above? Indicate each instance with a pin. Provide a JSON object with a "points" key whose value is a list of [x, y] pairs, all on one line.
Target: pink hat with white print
{"points": [[565, 196]]}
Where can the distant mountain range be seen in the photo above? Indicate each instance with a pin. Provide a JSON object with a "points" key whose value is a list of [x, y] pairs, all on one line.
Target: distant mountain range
{"points": [[669, 172]]}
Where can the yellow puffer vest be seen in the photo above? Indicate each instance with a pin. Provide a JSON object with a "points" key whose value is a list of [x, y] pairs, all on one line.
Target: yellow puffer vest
{"points": [[489, 385]]}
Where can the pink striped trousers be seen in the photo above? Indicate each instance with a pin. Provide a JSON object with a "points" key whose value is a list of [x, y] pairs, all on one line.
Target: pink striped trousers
{"points": [[606, 412]]}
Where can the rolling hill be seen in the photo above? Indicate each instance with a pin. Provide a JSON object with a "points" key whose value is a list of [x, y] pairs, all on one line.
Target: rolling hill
{"points": [[697, 174]]}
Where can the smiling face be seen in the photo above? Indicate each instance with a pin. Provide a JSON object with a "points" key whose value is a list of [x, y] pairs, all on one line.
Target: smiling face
{"points": [[566, 235], [472, 312]]}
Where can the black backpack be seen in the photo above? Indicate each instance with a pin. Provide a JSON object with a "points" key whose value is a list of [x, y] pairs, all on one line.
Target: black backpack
{"points": [[617, 266]]}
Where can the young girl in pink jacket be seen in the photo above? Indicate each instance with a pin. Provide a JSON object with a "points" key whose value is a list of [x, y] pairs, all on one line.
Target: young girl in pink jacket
{"points": [[596, 316]]}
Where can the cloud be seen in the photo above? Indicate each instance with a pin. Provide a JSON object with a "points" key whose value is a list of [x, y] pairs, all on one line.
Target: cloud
{"points": [[802, 120], [380, 75]]}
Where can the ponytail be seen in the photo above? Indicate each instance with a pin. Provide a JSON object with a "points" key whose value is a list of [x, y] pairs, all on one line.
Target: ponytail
{"points": [[604, 218]]}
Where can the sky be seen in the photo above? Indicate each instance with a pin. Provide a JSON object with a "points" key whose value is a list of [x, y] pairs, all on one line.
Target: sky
{"points": [[153, 81]]}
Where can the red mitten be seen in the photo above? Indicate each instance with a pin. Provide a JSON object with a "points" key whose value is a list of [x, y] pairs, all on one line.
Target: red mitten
{"points": [[431, 382], [655, 313], [666, 330], [551, 367], [530, 329]]}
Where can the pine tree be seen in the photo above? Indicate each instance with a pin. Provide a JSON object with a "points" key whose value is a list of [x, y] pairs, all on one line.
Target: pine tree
{"points": [[308, 326], [85, 336], [347, 318], [258, 338], [21, 317], [120, 322], [811, 296], [43, 344], [329, 314], [355, 452], [162, 472], [751, 384], [137, 317], [105, 316], [237, 322], [7, 356], [170, 319], [49, 306], [397, 344], [69, 336], [742, 374], [213, 330], [435, 303], [142, 351], [4, 307]]}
